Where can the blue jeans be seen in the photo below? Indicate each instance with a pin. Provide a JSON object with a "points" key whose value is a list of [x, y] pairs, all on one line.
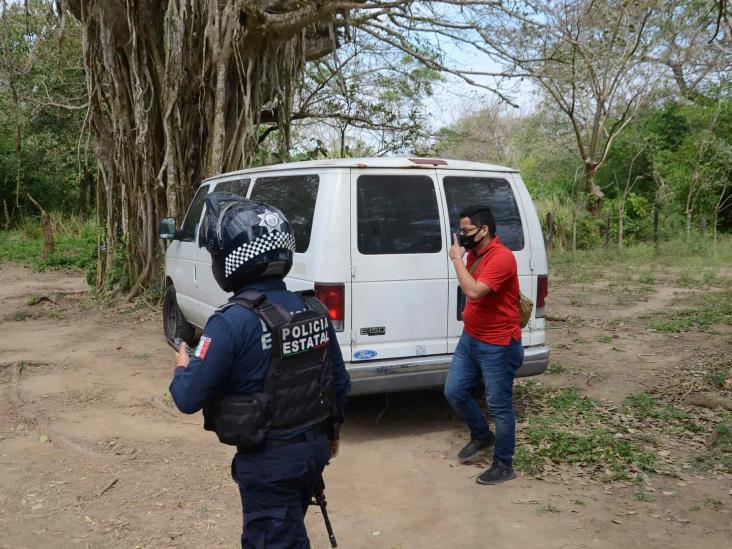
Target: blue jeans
{"points": [[497, 365]]}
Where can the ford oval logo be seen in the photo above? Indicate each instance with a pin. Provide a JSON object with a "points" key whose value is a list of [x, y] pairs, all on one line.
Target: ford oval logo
{"points": [[364, 355]]}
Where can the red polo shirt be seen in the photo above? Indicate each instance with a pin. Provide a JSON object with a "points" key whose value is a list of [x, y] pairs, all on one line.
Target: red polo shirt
{"points": [[494, 318]]}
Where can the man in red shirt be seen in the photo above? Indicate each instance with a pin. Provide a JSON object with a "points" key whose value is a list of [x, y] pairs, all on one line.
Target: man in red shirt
{"points": [[490, 347]]}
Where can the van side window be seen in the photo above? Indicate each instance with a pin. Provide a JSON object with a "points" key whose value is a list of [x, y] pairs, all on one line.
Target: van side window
{"points": [[496, 193], [240, 187], [294, 196], [193, 217], [397, 214]]}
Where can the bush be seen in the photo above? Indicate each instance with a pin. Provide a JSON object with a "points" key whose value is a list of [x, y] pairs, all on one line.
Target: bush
{"points": [[75, 242]]}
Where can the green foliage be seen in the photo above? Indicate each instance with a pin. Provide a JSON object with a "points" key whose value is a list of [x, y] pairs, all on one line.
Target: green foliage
{"points": [[571, 398], [699, 256], [566, 426], [74, 244], [37, 77], [719, 373], [643, 405], [669, 155], [596, 447], [700, 313]]}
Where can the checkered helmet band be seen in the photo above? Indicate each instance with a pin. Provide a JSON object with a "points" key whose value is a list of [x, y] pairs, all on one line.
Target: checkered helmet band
{"points": [[248, 251]]}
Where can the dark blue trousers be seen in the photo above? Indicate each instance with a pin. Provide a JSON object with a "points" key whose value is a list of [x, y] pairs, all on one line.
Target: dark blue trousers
{"points": [[276, 484]]}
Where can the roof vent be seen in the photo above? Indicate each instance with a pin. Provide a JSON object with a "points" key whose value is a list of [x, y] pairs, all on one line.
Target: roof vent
{"points": [[429, 161]]}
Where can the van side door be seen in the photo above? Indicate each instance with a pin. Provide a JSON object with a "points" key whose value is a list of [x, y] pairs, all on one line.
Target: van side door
{"points": [[497, 191], [399, 267]]}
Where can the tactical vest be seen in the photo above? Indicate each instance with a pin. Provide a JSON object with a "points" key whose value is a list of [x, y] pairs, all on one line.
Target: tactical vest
{"points": [[298, 388]]}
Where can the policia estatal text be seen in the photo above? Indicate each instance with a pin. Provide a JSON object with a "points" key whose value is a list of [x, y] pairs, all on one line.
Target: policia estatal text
{"points": [[267, 372]]}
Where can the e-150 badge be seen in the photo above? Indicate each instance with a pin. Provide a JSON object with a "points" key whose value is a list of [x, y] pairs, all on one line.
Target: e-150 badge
{"points": [[304, 336], [374, 331]]}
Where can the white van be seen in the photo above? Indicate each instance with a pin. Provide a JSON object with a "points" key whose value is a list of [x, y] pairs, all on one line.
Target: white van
{"points": [[372, 236]]}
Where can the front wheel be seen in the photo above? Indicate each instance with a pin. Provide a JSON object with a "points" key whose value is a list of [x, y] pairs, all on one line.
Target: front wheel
{"points": [[174, 323]]}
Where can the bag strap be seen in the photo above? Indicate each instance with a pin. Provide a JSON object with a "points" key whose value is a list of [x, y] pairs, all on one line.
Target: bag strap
{"points": [[273, 315], [474, 266], [312, 302]]}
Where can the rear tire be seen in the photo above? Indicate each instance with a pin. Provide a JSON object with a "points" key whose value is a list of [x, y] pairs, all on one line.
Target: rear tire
{"points": [[174, 323]]}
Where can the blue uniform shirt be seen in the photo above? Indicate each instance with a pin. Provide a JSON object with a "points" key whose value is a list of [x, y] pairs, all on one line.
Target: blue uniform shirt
{"points": [[235, 349]]}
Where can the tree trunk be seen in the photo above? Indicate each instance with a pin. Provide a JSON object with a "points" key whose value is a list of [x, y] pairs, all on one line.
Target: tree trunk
{"points": [[688, 226], [621, 216], [48, 242], [342, 137], [594, 192], [549, 240], [18, 145], [7, 215], [83, 191], [176, 91]]}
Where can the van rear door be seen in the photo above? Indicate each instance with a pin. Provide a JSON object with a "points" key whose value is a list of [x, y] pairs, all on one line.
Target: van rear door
{"points": [[496, 190], [399, 270]]}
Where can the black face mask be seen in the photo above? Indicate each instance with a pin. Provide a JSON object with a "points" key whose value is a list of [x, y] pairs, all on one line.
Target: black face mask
{"points": [[469, 242]]}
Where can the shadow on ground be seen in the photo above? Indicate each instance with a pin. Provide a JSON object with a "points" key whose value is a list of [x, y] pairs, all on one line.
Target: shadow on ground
{"points": [[399, 414]]}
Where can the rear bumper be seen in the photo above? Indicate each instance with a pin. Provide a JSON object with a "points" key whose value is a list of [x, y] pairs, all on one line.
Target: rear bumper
{"points": [[388, 376]]}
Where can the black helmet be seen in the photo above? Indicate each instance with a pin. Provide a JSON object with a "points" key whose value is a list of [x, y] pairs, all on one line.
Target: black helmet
{"points": [[246, 240]]}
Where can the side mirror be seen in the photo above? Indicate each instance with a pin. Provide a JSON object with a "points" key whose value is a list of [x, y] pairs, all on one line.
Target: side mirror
{"points": [[167, 228]]}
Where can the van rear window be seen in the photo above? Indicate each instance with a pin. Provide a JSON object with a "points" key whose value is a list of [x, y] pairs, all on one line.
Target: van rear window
{"points": [[496, 193], [397, 214], [294, 196]]}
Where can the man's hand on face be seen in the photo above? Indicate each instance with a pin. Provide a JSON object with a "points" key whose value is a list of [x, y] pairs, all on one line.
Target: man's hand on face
{"points": [[456, 251], [181, 357]]}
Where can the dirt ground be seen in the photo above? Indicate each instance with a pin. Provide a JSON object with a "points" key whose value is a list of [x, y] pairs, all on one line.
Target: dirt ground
{"points": [[92, 455]]}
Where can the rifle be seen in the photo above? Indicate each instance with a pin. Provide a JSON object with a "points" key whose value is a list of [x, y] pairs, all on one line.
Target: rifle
{"points": [[320, 501]]}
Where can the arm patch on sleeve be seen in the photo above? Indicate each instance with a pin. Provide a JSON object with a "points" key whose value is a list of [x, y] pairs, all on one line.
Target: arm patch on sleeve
{"points": [[203, 344]]}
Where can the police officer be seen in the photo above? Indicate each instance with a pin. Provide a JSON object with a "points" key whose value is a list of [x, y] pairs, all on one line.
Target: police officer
{"points": [[267, 372]]}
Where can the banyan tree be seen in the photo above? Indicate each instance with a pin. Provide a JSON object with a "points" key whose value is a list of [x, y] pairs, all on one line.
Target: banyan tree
{"points": [[177, 92]]}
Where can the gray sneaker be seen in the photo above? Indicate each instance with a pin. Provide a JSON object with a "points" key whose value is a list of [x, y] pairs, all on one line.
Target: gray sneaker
{"points": [[474, 448], [498, 473]]}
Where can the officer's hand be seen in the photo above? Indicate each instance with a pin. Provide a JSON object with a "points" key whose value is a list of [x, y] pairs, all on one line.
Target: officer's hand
{"points": [[181, 358], [456, 251], [334, 446]]}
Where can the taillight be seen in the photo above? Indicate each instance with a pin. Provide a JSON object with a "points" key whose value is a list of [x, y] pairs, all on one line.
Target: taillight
{"points": [[542, 290], [333, 297]]}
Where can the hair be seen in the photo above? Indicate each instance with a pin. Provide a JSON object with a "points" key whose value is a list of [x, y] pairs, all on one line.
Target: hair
{"points": [[479, 216]]}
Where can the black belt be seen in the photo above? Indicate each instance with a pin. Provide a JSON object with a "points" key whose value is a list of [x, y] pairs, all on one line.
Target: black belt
{"points": [[280, 442]]}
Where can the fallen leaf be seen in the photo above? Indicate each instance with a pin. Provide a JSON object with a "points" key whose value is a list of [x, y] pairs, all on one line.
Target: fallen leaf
{"points": [[616, 521], [43, 439]]}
